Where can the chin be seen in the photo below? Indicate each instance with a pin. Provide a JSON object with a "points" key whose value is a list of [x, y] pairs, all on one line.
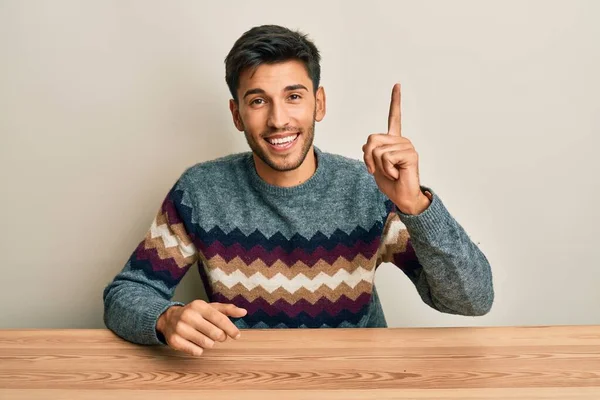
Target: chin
{"points": [[288, 163], [285, 162], [282, 159]]}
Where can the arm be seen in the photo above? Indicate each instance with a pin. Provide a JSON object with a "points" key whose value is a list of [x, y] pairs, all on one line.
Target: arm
{"points": [[450, 273], [143, 289]]}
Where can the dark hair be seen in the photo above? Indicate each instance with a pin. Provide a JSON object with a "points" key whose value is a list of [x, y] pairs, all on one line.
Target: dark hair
{"points": [[270, 44]]}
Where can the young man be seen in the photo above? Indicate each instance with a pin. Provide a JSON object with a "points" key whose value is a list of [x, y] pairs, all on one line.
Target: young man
{"points": [[288, 236]]}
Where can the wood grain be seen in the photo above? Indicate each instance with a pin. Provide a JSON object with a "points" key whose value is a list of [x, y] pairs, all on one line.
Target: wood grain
{"points": [[555, 362]]}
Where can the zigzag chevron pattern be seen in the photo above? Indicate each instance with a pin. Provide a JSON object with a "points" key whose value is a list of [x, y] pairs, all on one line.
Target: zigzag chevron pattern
{"points": [[323, 306], [167, 246], [323, 292], [172, 240], [289, 271], [291, 285], [256, 238], [395, 229], [395, 240], [167, 251], [261, 325], [303, 318], [269, 257], [321, 281]]}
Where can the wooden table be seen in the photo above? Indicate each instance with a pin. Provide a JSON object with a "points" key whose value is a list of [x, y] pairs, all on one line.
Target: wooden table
{"points": [[561, 362]]}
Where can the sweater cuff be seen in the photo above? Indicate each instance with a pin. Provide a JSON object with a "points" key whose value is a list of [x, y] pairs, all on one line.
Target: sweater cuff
{"points": [[148, 329], [431, 223]]}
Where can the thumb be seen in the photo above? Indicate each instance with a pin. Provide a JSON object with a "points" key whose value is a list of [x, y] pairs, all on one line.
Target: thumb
{"points": [[231, 310]]}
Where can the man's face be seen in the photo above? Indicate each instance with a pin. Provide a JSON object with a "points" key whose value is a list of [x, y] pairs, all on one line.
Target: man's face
{"points": [[277, 110]]}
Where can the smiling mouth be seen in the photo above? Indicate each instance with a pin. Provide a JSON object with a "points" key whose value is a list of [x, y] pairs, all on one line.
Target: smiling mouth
{"points": [[283, 143]]}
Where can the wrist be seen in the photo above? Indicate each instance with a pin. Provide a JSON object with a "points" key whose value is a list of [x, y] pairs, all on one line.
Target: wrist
{"points": [[421, 204], [161, 322]]}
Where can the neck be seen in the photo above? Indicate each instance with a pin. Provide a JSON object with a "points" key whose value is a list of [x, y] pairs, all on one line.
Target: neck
{"points": [[287, 178]]}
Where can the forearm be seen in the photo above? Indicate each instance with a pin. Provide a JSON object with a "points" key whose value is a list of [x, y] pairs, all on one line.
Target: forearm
{"points": [[133, 304], [455, 276]]}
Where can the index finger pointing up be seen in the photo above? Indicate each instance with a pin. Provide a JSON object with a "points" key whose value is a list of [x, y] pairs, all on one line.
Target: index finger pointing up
{"points": [[395, 117]]}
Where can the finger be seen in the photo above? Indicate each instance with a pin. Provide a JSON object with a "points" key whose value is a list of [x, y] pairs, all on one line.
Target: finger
{"points": [[209, 329], [230, 309], [194, 317], [198, 338], [395, 116], [389, 164], [376, 140], [222, 322], [378, 156], [180, 344], [393, 159]]}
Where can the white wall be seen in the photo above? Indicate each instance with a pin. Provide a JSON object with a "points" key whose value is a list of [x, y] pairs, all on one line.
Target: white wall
{"points": [[103, 104]]}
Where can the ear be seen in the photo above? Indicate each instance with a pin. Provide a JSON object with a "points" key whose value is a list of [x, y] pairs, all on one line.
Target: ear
{"points": [[321, 106], [235, 114]]}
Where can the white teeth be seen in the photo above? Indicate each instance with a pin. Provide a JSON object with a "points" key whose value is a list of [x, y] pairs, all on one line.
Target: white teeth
{"points": [[283, 140]]}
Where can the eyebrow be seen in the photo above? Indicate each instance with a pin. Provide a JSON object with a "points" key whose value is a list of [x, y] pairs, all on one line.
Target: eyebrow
{"points": [[286, 89]]}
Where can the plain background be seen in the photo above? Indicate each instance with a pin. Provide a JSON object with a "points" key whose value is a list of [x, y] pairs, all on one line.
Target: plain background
{"points": [[103, 104]]}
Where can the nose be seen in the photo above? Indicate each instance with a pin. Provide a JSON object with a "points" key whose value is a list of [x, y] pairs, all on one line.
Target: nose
{"points": [[278, 116]]}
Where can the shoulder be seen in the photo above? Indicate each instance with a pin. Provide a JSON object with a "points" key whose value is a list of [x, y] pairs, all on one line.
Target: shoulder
{"points": [[216, 170], [351, 177], [344, 161], [350, 171]]}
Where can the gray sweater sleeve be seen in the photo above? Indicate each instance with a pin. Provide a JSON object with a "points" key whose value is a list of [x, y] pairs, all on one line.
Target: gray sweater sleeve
{"points": [[448, 270], [143, 289], [132, 305]]}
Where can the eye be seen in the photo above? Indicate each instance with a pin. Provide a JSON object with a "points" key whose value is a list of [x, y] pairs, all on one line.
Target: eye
{"points": [[295, 97], [256, 101]]}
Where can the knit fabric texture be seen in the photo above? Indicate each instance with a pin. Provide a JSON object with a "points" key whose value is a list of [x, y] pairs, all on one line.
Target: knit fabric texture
{"points": [[298, 257]]}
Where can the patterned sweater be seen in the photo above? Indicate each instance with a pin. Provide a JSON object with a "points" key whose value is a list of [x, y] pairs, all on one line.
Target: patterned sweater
{"points": [[299, 257]]}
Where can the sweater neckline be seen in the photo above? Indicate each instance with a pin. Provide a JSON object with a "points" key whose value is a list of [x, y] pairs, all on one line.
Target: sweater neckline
{"points": [[312, 183]]}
